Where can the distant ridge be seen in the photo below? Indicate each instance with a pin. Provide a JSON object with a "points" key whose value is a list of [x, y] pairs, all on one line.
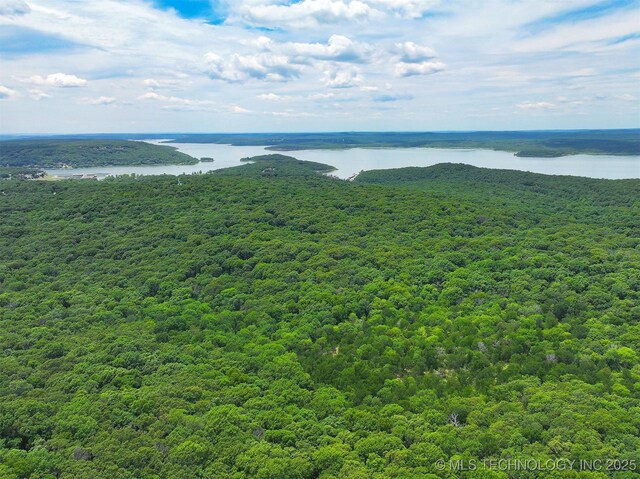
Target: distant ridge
{"points": [[548, 144], [447, 177]]}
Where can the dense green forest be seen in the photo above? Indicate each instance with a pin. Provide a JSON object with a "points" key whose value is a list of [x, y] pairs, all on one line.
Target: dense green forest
{"points": [[523, 143], [56, 153], [276, 165], [493, 183], [268, 322]]}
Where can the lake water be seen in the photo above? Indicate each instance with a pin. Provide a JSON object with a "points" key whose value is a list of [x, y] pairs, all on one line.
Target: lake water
{"points": [[351, 162]]}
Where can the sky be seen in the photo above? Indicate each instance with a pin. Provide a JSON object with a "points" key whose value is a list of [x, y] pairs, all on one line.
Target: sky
{"points": [[109, 66]]}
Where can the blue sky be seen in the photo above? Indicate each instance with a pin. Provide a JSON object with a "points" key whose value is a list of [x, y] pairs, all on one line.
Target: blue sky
{"points": [[212, 12], [69, 66]]}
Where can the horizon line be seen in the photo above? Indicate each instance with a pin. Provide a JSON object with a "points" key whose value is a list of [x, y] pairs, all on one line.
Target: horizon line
{"points": [[308, 132]]}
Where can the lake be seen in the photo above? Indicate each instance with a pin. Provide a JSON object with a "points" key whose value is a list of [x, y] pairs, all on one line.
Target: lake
{"points": [[351, 162]]}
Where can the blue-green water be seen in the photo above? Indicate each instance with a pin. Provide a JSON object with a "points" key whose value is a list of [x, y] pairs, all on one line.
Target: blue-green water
{"points": [[351, 162]]}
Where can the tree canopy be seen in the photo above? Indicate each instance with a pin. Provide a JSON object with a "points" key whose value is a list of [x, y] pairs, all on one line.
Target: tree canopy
{"points": [[56, 153], [238, 324]]}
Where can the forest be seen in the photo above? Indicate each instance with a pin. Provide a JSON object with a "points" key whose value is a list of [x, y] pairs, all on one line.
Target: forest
{"points": [[541, 144], [270, 322], [59, 153], [523, 143]]}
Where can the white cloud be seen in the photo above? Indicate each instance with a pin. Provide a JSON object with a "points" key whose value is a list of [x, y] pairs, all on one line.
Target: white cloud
{"points": [[309, 13], [270, 97], [238, 109], [323, 96], [262, 43], [583, 72], [102, 100], [6, 93], [410, 9], [535, 105], [53, 13], [510, 77], [151, 83], [58, 80], [625, 97], [415, 60], [293, 114], [37, 94], [586, 36], [338, 48], [333, 97], [495, 52], [241, 68], [280, 62], [178, 103], [568, 101], [319, 12], [154, 84], [153, 96], [345, 77], [12, 8], [412, 53], [423, 68]]}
